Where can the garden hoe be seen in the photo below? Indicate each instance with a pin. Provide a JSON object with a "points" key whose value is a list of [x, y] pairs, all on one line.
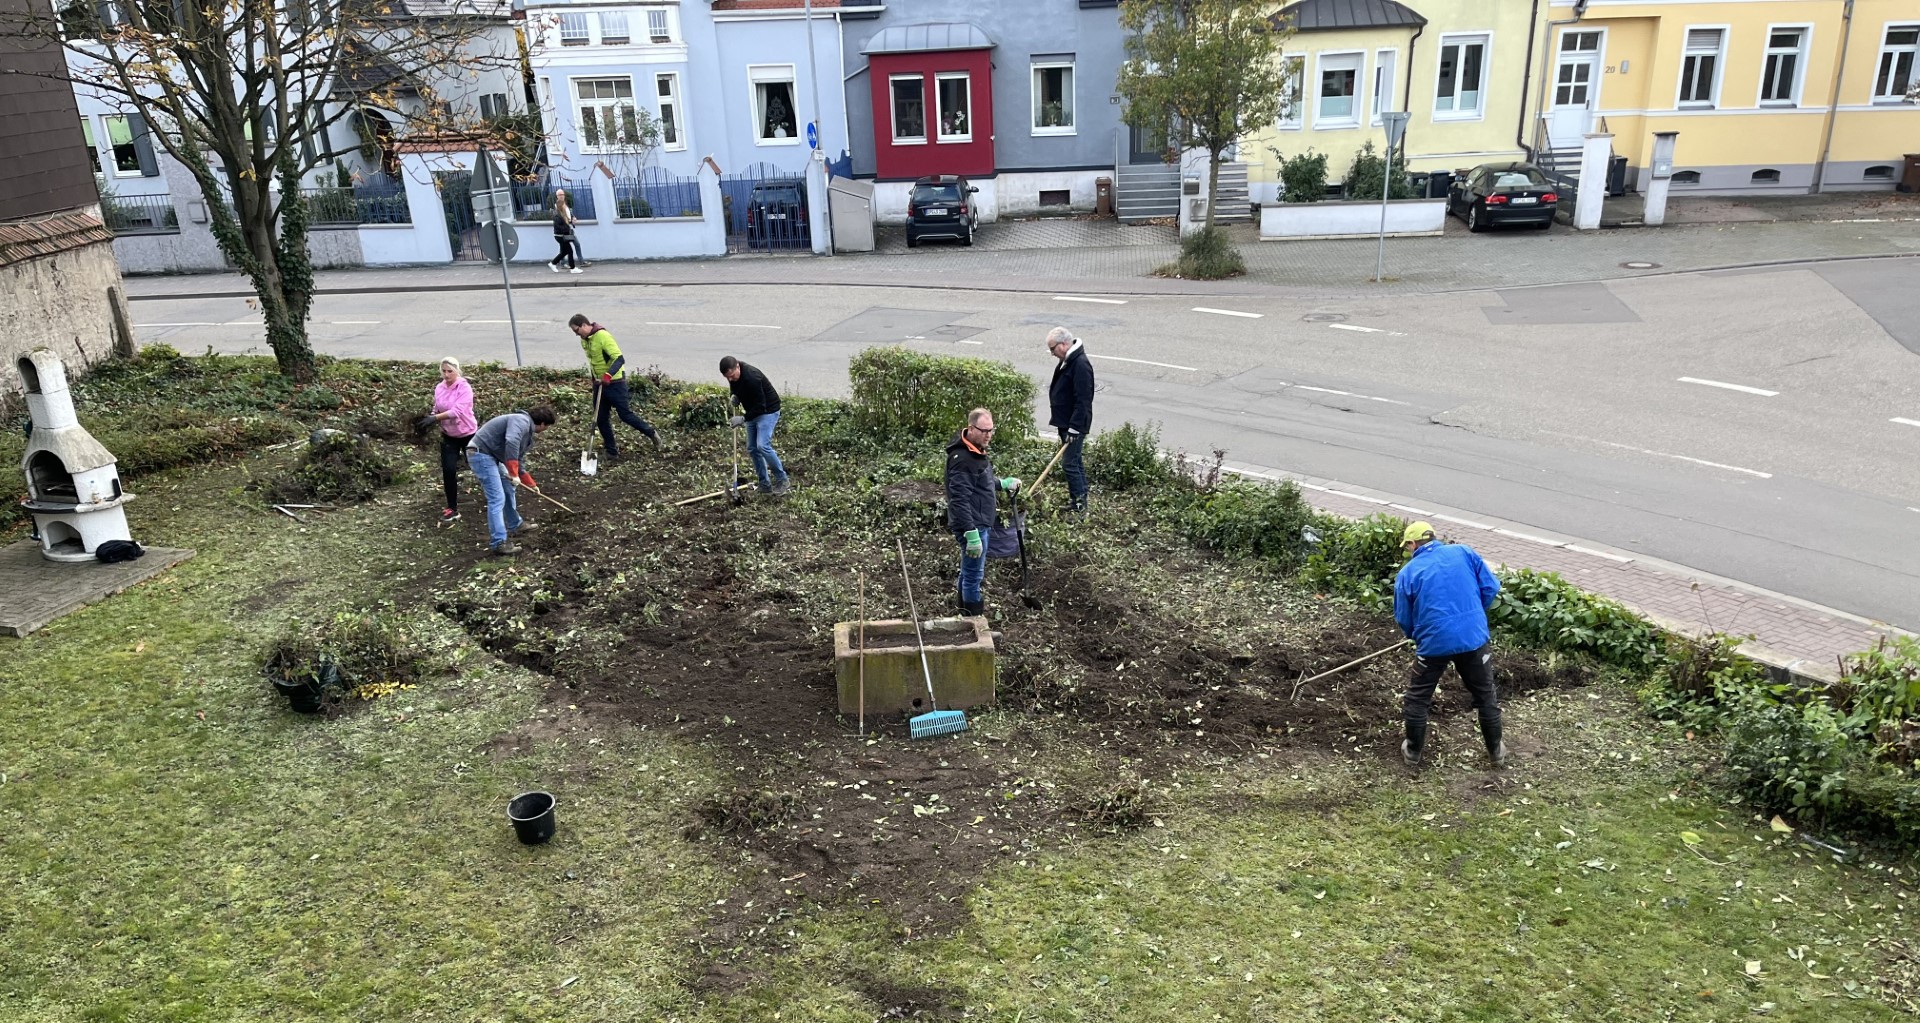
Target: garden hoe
{"points": [[734, 496], [590, 465], [934, 721], [1356, 661]]}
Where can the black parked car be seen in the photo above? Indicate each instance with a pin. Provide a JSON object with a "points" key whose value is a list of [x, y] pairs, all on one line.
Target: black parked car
{"points": [[1503, 193], [941, 206], [777, 215]]}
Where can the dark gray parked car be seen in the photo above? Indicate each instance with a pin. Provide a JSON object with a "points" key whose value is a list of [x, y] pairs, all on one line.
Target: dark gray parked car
{"points": [[1503, 193]]}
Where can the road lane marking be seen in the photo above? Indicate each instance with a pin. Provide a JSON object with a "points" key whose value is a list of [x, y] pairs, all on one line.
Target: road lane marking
{"points": [[1080, 298], [1598, 554], [1469, 523], [1227, 312], [1366, 330], [964, 341], [183, 325], [500, 322], [686, 323], [1731, 387], [1349, 394], [354, 323], [1143, 362], [1905, 422], [1689, 458], [1409, 509], [1529, 537]]}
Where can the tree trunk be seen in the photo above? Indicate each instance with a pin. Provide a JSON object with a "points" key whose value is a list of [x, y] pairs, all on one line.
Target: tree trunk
{"points": [[283, 314], [1213, 183]]}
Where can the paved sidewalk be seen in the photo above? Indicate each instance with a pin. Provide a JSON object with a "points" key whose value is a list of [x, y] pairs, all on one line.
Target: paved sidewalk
{"points": [[1104, 257], [1793, 635], [1827, 208]]}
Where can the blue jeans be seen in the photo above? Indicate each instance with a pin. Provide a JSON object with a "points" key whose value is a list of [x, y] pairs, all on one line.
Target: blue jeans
{"points": [[760, 448], [1075, 470], [973, 571], [503, 513]]}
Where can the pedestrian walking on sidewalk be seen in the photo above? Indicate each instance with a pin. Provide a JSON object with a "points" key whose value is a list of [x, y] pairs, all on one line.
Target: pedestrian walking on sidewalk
{"points": [[453, 414], [1070, 397], [563, 233], [760, 413], [1440, 600], [497, 456], [972, 501], [609, 369]]}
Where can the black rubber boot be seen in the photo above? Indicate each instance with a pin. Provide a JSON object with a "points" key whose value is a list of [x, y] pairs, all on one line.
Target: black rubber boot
{"points": [[1414, 744], [1490, 733], [974, 608]]}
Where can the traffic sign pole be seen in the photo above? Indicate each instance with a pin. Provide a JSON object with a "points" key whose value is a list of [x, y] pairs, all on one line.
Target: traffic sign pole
{"points": [[487, 184]]}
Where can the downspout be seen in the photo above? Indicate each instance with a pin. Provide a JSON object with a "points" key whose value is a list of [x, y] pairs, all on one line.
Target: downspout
{"points": [[1833, 103], [1546, 53], [1406, 98], [1526, 80]]}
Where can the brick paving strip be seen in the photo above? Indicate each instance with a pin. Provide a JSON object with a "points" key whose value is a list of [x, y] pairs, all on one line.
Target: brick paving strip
{"points": [[37, 591], [1792, 636]]}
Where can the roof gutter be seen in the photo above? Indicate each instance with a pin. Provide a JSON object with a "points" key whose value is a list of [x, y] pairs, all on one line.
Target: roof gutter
{"points": [[1833, 104]]}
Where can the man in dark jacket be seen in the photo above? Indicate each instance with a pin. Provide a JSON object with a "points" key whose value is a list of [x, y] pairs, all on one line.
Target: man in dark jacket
{"points": [[495, 454], [760, 408], [1440, 599], [972, 499], [1070, 397]]}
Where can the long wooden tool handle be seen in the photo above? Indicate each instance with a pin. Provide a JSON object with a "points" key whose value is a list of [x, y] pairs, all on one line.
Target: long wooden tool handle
{"points": [[863, 653], [1048, 469], [543, 497], [1357, 660], [914, 613]]}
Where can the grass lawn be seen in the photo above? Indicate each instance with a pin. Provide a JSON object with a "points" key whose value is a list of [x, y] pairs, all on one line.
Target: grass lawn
{"points": [[176, 845]]}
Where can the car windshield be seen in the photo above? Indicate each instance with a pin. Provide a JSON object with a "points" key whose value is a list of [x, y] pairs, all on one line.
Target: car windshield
{"points": [[1523, 177], [936, 193]]}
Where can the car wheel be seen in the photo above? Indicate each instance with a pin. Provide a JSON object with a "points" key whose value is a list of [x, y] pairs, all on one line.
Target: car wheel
{"points": [[1546, 225], [967, 239], [1476, 221], [912, 242]]}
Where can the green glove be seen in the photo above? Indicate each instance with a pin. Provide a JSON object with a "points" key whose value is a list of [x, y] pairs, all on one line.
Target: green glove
{"points": [[1010, 483], [973, 543]]}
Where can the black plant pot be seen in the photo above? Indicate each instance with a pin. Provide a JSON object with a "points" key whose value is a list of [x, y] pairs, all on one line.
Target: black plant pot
{"points": [[532, 817], [301, 694]]}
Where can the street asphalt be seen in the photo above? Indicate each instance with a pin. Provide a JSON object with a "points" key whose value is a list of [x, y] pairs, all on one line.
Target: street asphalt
{"points": [[1759, 424]]}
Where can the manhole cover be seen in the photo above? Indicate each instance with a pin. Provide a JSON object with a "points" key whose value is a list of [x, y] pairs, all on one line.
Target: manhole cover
{"points": [[1639, 264], [1324, 317]]}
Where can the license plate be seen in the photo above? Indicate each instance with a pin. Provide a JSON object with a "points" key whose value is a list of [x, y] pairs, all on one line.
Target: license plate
{"points": [[782, 216], [1525, 201]]}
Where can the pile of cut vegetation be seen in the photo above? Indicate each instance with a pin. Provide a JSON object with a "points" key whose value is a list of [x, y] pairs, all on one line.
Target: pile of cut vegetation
{"points": [[337, 467]]}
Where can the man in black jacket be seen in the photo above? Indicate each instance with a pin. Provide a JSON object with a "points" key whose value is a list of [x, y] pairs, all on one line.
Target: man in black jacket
{"points": [[1070, 396], [760, 404], [972, 499]]}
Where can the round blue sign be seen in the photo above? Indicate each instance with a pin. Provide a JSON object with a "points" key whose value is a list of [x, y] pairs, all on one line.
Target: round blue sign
{"points": [[813, 135]]}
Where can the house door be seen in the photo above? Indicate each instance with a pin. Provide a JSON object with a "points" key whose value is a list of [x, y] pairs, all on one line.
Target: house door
{"points": [[1576, 89], [1145, 146]]}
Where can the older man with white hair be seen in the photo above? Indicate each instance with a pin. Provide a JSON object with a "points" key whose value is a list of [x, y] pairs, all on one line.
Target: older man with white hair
{"points": [[1070, 397]]}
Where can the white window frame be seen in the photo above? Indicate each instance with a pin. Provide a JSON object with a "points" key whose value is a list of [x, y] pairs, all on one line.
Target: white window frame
{"points": [[661, 18], [1799, 64], [774, 74], [106, 133], [548, 112], [1386, 58], [1359, 68], [1687, 52], [579, 102], [607, 21], [670, 99], [1888, 51], [1073, 97], [893, 110], [940, 111], [93, 143], [1296, 85], [585, 38], [1463, 40]]}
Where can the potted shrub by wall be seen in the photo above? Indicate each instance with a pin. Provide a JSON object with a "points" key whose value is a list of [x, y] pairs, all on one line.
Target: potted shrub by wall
{"points": [[1305, 212]]}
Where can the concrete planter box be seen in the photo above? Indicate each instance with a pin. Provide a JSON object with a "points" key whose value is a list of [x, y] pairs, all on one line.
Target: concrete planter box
{"points": [[1352, 219], [959, 656]]}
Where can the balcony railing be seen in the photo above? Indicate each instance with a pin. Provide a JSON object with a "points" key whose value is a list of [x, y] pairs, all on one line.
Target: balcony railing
{"points": [[139, 214]]}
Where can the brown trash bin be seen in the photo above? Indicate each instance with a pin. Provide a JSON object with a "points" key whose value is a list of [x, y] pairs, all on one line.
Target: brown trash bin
{"points": [[1103, 196], [1910, 174]]}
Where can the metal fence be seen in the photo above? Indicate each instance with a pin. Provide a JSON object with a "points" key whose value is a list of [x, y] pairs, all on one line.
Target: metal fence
{"points": [[766, 210], [533, 200], [655, 193], [378, 201], [139, 214]]}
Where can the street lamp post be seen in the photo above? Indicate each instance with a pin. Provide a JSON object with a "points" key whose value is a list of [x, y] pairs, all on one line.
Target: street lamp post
{"points": [[1396, 125]]}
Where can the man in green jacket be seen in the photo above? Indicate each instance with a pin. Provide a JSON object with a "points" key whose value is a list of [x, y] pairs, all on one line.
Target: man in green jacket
{"points": [[610, 383]]}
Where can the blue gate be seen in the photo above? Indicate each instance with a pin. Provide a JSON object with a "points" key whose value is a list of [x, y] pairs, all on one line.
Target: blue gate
{"points": [[767, 210], [456, 195]]}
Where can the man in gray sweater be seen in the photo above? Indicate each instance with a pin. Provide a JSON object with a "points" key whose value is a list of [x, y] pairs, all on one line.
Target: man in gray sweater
{"points": [[494, 455]]}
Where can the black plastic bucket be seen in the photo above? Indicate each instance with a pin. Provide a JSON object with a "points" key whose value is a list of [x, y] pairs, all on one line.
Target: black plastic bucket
{"points": [[302, 694], [532, 817]]}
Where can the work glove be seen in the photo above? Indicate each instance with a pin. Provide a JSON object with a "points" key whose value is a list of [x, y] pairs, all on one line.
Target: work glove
{"points": [[737, 421], [526, 479], [513, 468], [425, 423], [606, 378], [1010, 483], [973, 543]]}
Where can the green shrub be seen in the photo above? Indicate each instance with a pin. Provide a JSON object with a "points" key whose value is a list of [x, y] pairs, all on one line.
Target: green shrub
{"points": [[701, 408], [1356, 559], [1363, 176], [1128, 457], [1693, 674], [316, 398], [1786, 756], [1303, 176], [901, 393], [1206, 255], [1883, 683], [1544, 610], [1261, 520]]}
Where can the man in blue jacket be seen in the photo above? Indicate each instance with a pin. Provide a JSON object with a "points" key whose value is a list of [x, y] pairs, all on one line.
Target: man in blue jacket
{"points": [[1440, 599], [1070, 403]]}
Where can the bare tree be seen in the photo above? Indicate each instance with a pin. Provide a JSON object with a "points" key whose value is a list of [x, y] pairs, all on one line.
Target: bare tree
{"points": [[244, 94]]}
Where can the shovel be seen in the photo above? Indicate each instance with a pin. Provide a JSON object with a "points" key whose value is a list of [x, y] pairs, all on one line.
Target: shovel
{"points": [[590, 465], [733, 486]]}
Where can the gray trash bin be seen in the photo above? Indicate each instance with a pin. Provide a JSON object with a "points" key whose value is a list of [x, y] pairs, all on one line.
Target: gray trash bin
{"points": [[850, 203]]}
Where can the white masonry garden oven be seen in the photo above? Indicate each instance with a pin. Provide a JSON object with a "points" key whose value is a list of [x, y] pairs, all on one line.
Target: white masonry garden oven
{"points": [[73, 485]]}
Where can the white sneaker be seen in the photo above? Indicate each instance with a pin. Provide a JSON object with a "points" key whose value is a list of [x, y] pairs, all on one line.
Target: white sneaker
{"points": [[555, 267], [576, 270]]}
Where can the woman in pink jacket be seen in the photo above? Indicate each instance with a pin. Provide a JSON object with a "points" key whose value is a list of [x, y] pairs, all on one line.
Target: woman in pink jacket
{"points": [[453, 413]]}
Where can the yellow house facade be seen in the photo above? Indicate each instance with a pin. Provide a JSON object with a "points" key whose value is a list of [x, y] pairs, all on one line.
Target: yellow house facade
{"points": [[1455, 66], [1766, 95]]}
